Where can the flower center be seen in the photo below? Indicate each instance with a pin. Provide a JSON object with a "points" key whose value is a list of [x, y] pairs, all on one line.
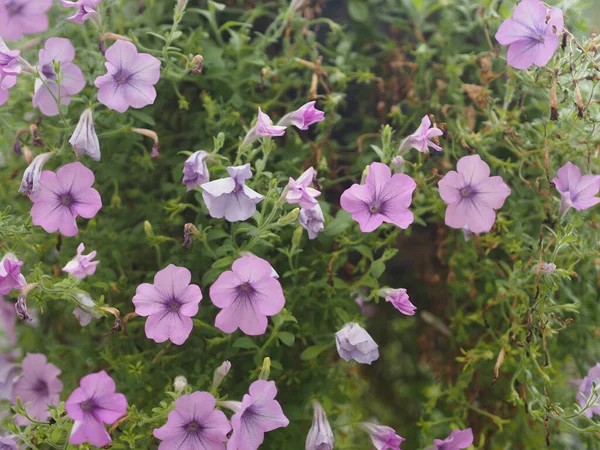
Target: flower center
{"points": [[87, 405], [466, 192], [375, 208], [174, 304], [14, 8], [48, 71], [246, 287], [41, 387], [66, 199], [194, 427], [121, 77]]}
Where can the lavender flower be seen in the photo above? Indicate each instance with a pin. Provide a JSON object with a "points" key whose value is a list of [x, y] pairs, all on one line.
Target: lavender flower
{"points": [[458, 440], [10, 65], [20, 17], [353, 342], [299, 191], [85, 312], [8, 321], [84, 139], [86, 9], [383, 437], [10, 274], [221, 373], [82, 265], [421, 139], [303, 117], [576, 191], [320, 435], [312, 220], [586, 391], [7, 444], [548, 268], [31, 177], [263, 128], [195, 171], [400, 299]]}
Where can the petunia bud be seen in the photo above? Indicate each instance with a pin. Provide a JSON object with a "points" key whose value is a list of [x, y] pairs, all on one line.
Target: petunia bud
{"points": [[353, 342], [180, 383], [195, 170], [84, 139], [397, 164], [312, 220], [148, 229], [197, 65], [548, 268], [221, 373], [297, 237], [265, 370], [289, 217], [320, 435], [381, 436], [31, 177]]}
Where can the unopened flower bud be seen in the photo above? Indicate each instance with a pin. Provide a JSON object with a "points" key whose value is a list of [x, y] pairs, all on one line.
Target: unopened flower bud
{"points": [[148, 229], [31, 177], [17, 147], [180, 383], [297, 237], [221, 373], [320, 435], [197, 65], [289, 217], [548, 268], [231, 405], [265, 370], [84, 139], [397, 164]]}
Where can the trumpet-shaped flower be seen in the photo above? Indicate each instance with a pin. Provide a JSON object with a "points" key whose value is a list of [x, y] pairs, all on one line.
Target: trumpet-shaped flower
{"points": [[353, 342], [303, 117], [10, 274], [312, 220], [382, 437], [421, 139], [299, 191], [577, 191], [458, 440], [586, 391], [195, 171], [264, 127], [86, 9], [82, 265], [84, 139], [30, 183], [401, 301]]}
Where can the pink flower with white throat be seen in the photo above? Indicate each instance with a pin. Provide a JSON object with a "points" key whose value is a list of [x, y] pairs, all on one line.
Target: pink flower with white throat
{"points": [[82, 265], [299, 191], [303, 117], [86, 9], [577, 191]]}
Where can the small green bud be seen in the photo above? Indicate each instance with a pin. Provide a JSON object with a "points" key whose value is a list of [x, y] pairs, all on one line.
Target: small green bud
{"points": [[297, 237], [265, 371], [289, 217], [148, 229]]}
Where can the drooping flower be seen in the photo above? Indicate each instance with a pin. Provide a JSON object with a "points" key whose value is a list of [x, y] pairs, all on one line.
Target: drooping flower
{"points": [[320, 435], [472, 195], [383, 198], [63, 196], [38, 387], [195, 171], [7, 444], [353, 342], [258, 414], [82, 265], [86, 9], [299, 191], [576, 191], [84, 139], [303, 117], [531, 34], [400, 299], [20, 17], [85, 312], [586, 391], [10, 65], [130, 78], [220, 373], [458, 440], [66, 83], [264, 127], [421, 139], [312, 220], [230, 197], [194, 424], [30, 183], [169, 303], [382, 437], [247, 294], [93, 404], [8, 321], [10, 274]]}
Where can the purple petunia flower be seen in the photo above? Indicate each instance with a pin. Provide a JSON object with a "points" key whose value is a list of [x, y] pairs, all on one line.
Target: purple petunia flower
{"points": [[259, 413], [299, 191], [20, 17], [10, 65], [264, 127], [10, 274], [577, 191], [130, 78], [353, 342], [63, 196], [85, 312], [472, 195], [38, 387], [67, 82], [586, 390], [401, 301], [8, 321], [383, 198], [85, 140], [320, 435], [383, 438], [93, 404], [312, 220], [195, 424], [7, 444], [30, 183], [86, 9], [230, 197], [303, 117], [247, 294], [458, 440], [82, 265], [421, 139], [169, 304], [531, 34], [195, 171]]}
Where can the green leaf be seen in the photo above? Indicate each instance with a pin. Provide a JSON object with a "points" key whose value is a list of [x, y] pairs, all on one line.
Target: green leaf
{"points": [[339, 224], [223, 262], [142, 117], [287, 338], [377, 268], [245, 342], [358, 10], [312, 352]]}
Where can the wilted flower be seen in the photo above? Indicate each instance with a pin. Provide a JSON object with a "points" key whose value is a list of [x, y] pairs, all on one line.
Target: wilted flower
{"points": [[21, 307], [303, 117], [170, 303], [194, 424], [180, 383], [312, 220], [10, 274], [82, 265], [38, 387], [63, 196], [458, 440], [263, 127], [8, 321], [31, 177], [299, 191], [86, 311], [383, 438], [247, 294], [86, 9], [130, 78], [320, 435], [258, 414], [7, 444], [230, 197], [195, 171], [221, 373], [472, 195], [399, 298], [548, 268], [421, 139], [383, 198], [20, 17], [59, 52], [531, 33], [197, 65], [577, 191], [353, 342], [84, 139], [586, 391], [92, 405]]}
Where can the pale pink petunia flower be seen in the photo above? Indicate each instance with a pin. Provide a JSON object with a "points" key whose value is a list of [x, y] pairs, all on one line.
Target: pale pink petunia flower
{"points": [[194, 424], [63, 196], [312, 220], [264, 127], [401, 301], [70, 79], [195, 171], [86, 9], [82, 265], [472, 195], [299, 191], [576, 191], [230, 197], [10, 274], [382, 437], [303, 117], [93, 404], [458, 440], [258, 413], [130, 78], [421, 139], [247, 294], [531, 34], [38, 387], [8, 321], [21, 17], [169, 303], [353, 342], [586, 390], [383, 198]]}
